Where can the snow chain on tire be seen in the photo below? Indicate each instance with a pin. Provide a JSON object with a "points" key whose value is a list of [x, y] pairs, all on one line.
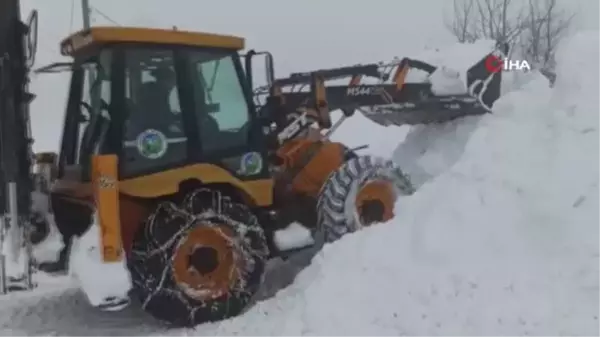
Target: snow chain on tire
{"points": [[337, 214], [155, 249]]}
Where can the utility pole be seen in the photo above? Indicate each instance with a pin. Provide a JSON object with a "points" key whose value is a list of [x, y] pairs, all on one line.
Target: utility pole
{"points": [[85, 11], [85, 8]]}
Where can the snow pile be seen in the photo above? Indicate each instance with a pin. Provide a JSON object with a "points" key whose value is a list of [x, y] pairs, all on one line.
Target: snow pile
{"points": [[457, 56], [452, 58], [504, 242], [47, 251], [359, 131], [294, 236], [106, 284]]}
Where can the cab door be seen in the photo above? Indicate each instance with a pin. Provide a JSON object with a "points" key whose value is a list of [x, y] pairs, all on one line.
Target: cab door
{"points": [[228, 128], [71, 200]]}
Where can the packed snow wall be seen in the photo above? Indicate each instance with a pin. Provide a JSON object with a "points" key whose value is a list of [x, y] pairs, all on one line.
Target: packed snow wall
{"points": [[502, 240]]}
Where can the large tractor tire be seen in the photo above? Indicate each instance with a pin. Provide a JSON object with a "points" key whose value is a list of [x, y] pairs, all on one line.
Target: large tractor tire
{"points": [[199, 261], [360, 193]]}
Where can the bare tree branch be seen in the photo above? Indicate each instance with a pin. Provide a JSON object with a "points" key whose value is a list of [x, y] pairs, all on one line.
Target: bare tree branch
{"points": [[461, 21], [533, 27]]}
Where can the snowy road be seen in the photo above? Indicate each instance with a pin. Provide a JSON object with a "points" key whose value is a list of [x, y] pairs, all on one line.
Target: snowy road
{"points": [[62, 310], [504, 240], [59, 308]]}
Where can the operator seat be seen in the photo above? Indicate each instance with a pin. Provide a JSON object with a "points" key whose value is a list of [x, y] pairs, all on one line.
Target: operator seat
{"points": [[153, 108], [209, 129]]}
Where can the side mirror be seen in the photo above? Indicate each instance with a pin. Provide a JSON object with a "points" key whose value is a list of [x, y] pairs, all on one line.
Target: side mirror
{"points": [[269, 68], [31, 38], [268, 65]]}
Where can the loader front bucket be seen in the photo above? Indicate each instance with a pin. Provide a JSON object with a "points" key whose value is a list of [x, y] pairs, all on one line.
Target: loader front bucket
{"points": [[417, 103], [485, 83]]}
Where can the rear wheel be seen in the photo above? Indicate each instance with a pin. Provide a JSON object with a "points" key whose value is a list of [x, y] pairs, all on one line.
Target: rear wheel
{"points": [[360, 193], [199, 261]]}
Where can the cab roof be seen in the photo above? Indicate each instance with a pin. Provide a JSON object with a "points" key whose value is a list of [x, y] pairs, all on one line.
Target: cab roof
{"points": [[101, 35]]}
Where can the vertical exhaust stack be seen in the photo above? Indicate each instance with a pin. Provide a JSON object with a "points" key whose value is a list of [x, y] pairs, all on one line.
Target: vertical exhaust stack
{"points": [[16, 56]]}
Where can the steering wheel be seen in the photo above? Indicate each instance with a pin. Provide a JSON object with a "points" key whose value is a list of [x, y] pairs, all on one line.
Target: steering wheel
{"points": [[89, 108]]}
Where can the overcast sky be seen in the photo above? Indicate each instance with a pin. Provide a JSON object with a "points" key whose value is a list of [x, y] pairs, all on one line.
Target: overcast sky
{"points": [[302, 35]]}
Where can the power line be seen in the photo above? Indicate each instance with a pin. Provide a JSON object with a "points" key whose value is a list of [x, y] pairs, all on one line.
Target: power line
{"points": [[105, 16]]}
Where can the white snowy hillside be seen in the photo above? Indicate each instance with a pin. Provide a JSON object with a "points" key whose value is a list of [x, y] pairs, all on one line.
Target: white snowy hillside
{"points": [[503, 242]]}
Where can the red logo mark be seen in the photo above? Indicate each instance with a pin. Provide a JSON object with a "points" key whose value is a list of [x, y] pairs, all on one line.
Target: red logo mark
{"points": [[493, 64]]}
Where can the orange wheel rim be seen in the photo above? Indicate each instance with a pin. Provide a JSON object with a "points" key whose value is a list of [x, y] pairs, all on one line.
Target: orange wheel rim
{"points": [[375, 202], [205, 265]]}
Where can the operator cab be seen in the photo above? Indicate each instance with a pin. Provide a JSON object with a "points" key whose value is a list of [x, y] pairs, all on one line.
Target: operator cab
{"points": [[159, 100]]}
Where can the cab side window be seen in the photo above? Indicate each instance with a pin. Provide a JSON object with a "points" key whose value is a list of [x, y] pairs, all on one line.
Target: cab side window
{"points": [[222, 110], [153, 133]]}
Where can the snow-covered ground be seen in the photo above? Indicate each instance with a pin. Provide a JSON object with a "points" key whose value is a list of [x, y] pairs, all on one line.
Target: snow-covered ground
{"points": [[504, 241]]}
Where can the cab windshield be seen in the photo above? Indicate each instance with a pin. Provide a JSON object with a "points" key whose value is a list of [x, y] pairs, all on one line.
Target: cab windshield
{"points": [[158, 79], [192, 101]]}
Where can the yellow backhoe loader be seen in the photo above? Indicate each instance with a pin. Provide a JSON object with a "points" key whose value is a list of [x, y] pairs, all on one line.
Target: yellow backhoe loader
{"points": [[185, 170]]}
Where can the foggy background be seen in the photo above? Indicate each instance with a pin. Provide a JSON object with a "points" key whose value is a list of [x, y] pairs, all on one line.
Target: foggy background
{"points": [[302, 35]]}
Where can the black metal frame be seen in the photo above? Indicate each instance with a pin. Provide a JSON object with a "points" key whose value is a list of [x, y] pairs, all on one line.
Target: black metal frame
{"points": [[15, 142]]}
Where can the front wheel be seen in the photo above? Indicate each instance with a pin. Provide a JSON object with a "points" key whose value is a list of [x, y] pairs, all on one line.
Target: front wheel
{"points": [[199, 261], [360, 193]]}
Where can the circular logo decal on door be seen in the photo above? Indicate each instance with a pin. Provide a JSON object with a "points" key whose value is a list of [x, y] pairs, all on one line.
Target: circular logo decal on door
{"points": [[152, 144], [251, 164]]}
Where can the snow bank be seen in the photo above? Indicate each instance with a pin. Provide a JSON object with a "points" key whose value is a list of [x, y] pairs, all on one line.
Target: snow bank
{"points": [[359, 131], [505, 242], [294, 236]]}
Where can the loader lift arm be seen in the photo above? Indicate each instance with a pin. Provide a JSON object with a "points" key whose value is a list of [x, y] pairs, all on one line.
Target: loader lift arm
{"points": [[391, 100]]}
